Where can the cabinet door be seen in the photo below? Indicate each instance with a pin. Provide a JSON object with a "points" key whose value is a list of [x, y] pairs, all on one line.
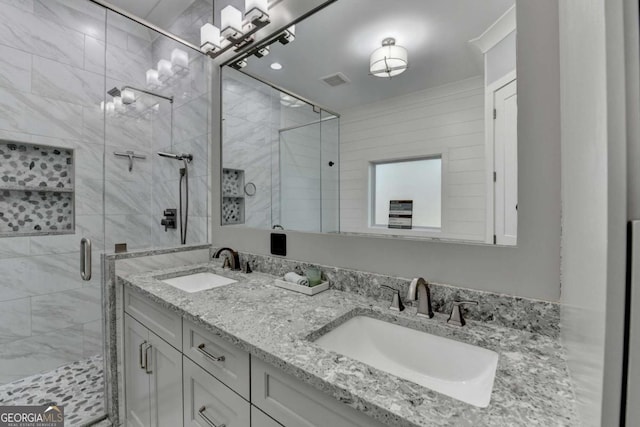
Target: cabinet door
{"points": [[210, 403], [137, 401], [165, 369], [260, 419]]}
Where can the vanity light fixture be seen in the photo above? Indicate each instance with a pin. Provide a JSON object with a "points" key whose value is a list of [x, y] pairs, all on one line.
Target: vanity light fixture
{"points": [[231, 23], [262, 52], [235, 33], [256, 10], [153, 81], [388, 60], [288, 35], [276, 66], [179, 62], [239, 64], [165, 72]]}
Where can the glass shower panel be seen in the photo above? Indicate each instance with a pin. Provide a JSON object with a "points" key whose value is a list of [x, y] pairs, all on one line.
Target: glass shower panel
{"points": [[300, 169], [159, 102], [330, 172], [52, 82]]}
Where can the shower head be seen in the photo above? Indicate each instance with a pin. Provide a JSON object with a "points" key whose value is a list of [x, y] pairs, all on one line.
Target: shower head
{"points": [[182, 156]]}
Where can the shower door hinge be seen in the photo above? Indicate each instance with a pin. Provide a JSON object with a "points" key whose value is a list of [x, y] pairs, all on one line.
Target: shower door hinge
{"points": [[495, 239], [495, 176], [495, 114]]}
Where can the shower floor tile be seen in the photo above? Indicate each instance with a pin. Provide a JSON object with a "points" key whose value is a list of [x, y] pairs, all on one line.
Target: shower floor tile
{"points": [[79, 387]]}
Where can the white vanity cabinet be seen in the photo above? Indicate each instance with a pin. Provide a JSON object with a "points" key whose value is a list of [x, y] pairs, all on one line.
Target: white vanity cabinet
{"points": [[178, 374], [153, 372], [293, 403], [210, 403]]}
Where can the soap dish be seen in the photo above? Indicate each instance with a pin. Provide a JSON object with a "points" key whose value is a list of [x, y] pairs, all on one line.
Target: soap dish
{"points": [[302, 289]]}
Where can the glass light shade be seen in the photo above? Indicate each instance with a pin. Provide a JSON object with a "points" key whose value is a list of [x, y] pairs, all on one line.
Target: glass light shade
{"points": [[117, 103], [102, 106], [128, 97], [289, 35], [179, 62], [256, 9], [165, 71], [209, 38], [388, 60], [153, 81], [110, 107], [231, 22]]}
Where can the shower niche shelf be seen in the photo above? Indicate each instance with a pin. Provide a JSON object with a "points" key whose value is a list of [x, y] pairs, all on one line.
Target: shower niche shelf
{"points": [[232, 196], [36, 190]]}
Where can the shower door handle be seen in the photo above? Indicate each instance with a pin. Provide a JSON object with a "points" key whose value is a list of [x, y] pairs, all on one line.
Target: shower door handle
{"points": [[85, 259]]}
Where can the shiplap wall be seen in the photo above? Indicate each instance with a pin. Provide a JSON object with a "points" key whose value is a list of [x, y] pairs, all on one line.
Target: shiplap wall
{"points": [[448, 119]]}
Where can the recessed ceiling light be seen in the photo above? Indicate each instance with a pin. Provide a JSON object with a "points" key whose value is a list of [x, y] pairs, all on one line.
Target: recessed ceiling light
{"points": [[276, 66]]}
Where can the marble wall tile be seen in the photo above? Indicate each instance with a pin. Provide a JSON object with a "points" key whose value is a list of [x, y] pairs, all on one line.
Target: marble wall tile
{"points": [[92, 338], [14, 247], [77, 15], [15, 69], [15, 28], [94, 55], [89, 199], [89, 226], [127, 197], [127, 66], [191, 120], [16, 320], [52, 117], [54, 41], [134, 230], [39, 354], [63, 310], [26, 5], [55, 80]]}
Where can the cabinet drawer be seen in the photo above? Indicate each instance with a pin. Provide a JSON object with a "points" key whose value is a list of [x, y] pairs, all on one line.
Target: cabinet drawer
{"points": [[209, 403], [162, 322], [260, 419], [293, 403], [220, 358]]}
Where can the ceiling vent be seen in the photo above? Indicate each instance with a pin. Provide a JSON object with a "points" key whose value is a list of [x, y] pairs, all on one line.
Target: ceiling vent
{"points": [[336, 79]]}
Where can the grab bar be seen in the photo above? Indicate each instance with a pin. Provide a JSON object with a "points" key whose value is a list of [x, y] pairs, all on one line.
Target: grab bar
{"points": [[85, 259]]}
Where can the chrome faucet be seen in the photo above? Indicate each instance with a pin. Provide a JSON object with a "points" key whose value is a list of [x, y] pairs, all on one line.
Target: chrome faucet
{"points": [[419, 290], [396, 302], [456, 318], [234, 259]]}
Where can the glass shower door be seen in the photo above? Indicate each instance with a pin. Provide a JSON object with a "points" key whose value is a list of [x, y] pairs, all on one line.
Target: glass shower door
{"points": [[52, 83]]}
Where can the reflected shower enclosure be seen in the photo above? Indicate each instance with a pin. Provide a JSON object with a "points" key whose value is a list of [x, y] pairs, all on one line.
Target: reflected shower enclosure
{"points": [[280, 159]]}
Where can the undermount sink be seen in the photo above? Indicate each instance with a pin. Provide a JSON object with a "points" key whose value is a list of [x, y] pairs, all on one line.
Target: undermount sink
{"points": [[462, 371], [198, 282]]}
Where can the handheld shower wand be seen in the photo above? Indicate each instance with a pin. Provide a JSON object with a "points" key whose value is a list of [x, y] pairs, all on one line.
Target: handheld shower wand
{"points": [[184, 174]]}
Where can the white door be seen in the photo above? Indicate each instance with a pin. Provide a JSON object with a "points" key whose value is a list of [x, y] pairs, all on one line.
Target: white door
{"points": [[137, 399], [165, 369], [506, 164]]}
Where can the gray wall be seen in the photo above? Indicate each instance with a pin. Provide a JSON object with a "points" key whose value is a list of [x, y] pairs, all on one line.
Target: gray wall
{"points": [[533, 268]]}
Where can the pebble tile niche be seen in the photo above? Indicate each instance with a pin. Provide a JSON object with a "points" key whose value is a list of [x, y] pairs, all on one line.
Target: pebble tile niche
{"points": [[232, 196], [36, 189]]}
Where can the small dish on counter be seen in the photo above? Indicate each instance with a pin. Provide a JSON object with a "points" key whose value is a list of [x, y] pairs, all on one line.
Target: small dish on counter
{"points": [[307, 290]]}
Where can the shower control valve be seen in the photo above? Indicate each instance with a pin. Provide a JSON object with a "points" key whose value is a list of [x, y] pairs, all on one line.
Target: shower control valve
{"points": [[169, 220]]}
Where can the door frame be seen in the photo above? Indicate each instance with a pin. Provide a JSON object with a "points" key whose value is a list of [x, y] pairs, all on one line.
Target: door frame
{"points": [[489, 149]]}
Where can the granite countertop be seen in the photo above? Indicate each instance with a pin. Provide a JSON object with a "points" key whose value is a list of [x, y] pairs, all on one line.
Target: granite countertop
{"points": [[532, 385]]}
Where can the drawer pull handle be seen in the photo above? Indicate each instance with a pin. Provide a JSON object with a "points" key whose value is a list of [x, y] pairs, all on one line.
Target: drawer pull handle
{"points": [[140, 360], [146, 359], [209, 355], [204, 417]]}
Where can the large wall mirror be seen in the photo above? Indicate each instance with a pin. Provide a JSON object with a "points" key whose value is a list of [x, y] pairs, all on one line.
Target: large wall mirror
{"points": [[386, 118]]}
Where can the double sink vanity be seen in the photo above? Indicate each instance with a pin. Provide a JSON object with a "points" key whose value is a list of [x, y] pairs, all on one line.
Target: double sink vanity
{"points": [[207, 346]]}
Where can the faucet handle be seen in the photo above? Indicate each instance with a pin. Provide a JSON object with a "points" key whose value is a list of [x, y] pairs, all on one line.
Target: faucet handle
{"points": [[396, 302], [456, 318]]}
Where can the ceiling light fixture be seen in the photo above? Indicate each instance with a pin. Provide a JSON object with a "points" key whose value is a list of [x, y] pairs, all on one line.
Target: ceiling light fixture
{"points": [[388, 60], [276, 66], [234, 32]]}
